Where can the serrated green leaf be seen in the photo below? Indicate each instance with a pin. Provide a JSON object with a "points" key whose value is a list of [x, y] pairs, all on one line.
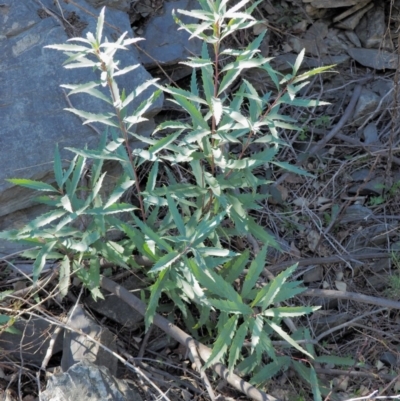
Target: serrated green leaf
{"points": [[292, 169], [254, 272], [155, 293], [216, 107], [261, 234], [138, 90], [125, 70], [209, 251], [205, 228], [286, 311], [289, 290], [43, 220], [88, 239], [196, 62], [213, 282], [299, 60], [270, 370], [32, 184], [123, 184], [163, 143], [231, 306], [180, 225], [114, 208], [286, 337], [94, 118], [165, 261], [76, 176], [227, 80], [41, 259], [153, 236], [315, 385], [66, 203], [112, 252], [197, 14], [236, 268], [256, 328], [223, 341], [267, 294], [68, 48], [172, 125], [310, 73], [248, 365], [237, 344]]}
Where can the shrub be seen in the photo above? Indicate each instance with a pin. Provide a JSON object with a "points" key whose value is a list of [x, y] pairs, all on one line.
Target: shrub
{"points": [[185, 228]]}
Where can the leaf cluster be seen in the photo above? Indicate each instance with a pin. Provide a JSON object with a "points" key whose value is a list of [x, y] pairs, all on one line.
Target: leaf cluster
{"points": [[185, 228]]}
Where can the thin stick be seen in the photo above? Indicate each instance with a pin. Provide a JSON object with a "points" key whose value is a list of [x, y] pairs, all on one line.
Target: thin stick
{"points": [[328, 259], [183, 338], [196, 359], [352, 296]]}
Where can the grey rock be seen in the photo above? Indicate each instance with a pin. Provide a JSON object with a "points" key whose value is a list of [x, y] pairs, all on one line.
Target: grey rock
{"points": [[32, 115], [353, 38], [316, 13], [389, 359], [337, 42], [114, 308], [313, 275], [367, 103], [379, 282], [372, 28], [355, 213], [353, 20], [33, 341], [164, 42], [312, 40], [370, 134], [79, 347], [86, 381], [383, 87], [374, 58], [367, 183], [123, 5], [351, 10]]}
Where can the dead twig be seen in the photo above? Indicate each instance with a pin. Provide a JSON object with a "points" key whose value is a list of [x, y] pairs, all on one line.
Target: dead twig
{"points": [[328, 259], [352, 296], [183, 338], [196, 360]]}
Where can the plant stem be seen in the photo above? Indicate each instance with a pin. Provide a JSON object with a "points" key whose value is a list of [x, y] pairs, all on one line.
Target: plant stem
{"points": [[122, 127]]}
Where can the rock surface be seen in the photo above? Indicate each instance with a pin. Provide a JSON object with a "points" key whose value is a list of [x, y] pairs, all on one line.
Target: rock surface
{"points": [[32, 102], [114, 308], [85, 381], [79, 347], [32, 342]]}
